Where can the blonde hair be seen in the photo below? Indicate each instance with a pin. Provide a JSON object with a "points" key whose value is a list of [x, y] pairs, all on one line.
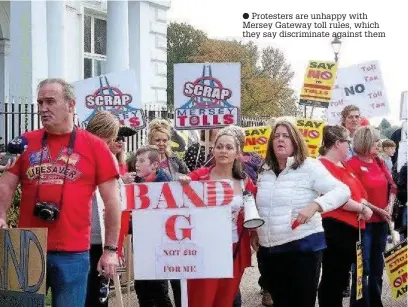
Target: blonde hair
{"points": [[104, 125], [300, 152], [364, 139], [332, 134], [159, 125]]}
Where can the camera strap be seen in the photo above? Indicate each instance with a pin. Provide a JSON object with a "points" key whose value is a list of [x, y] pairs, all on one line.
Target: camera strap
{"points": [[71, 145]]}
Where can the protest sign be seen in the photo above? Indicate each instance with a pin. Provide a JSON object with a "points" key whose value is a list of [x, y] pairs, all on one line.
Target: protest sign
{"points": [[115, 92], [182, 231], [207, 96], [361, 85], [318, 84], [396, 267], [256, 139], [312, 131], [404, 106], [23, 267]]}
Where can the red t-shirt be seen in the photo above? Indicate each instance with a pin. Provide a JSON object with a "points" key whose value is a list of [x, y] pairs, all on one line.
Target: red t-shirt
{"points": [[358, 193], [90, 164], [373, 177]]}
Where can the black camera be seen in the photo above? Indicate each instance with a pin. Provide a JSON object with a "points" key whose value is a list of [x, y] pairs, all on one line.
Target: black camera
{"points": [[46, 211]]}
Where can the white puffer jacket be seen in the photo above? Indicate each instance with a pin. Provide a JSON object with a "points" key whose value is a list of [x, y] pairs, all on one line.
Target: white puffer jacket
{"points": [[279, 200]]}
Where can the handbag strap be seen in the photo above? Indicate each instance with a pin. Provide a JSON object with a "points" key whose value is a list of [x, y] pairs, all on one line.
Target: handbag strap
{"points": [[236, 250]]}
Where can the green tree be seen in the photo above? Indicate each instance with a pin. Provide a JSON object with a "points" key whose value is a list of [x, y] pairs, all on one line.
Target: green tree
{"points": [[265, 88], [183, 42], [385, 124]]}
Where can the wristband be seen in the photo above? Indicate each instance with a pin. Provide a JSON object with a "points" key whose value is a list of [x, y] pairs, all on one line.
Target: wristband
{"points": [[110, 248]]}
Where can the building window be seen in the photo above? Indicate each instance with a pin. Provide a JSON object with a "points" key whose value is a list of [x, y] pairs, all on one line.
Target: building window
{"points": [[95, 39]]}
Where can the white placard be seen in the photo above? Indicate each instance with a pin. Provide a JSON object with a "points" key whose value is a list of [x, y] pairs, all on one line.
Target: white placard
{"points": [[404, 105], [115, 92], [184, 241], [361, 85], [207, 95]]}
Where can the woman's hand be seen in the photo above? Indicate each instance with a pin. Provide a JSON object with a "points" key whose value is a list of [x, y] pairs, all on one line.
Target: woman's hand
{"points": [[365, 214], [129, 178], [307, 212], [254, 241], [386, 216], [184, 179]]}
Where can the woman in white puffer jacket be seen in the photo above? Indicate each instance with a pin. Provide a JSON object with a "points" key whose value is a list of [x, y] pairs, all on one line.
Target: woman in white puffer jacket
{"points": [[292, 191]]}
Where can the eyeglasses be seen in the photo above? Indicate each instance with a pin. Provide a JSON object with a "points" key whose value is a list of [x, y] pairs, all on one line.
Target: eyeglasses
{"points": [[120, 139]]}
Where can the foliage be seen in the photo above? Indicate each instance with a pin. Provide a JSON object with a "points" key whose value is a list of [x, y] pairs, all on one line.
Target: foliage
{"points": [[13, 212], [183, 41], [264, 89], [386, 130], [389, 131], [385, 124], [265, 75]]}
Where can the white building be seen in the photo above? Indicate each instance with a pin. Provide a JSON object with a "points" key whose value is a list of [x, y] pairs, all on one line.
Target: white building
{"points": [[75, 40]]}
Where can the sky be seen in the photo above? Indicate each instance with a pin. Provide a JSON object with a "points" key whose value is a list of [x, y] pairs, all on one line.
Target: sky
{"points": [[222, 19]]}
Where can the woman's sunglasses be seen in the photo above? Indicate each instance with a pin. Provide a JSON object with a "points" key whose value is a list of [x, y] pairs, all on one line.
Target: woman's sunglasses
{"points": [[120, 139]]}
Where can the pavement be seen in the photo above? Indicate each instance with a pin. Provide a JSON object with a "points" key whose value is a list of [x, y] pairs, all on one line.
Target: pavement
{"points": [[251, 296]]}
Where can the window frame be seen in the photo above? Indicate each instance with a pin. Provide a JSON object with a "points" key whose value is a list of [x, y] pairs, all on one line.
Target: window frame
{"points": [[91, 55]]}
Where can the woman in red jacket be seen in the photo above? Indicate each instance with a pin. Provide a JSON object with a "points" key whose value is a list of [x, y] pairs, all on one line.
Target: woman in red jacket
{"points": [[341, 226], [221, 292], [377, 181]]}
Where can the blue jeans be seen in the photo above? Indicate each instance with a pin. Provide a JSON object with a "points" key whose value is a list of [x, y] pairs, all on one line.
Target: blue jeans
{"points": [[373, 245], [67, 276]]}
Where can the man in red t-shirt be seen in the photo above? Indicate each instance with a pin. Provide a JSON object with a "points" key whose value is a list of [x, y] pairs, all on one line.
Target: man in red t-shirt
{"points": [[59, 173]]}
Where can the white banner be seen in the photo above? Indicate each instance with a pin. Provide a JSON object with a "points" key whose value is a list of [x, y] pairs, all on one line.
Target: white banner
{"points": [[404, 105], [115, 92], [207, 95], [183, 232], [361, 85]]}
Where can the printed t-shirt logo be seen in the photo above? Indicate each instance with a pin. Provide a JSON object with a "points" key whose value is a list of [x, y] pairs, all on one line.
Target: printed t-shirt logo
{"points": [[53, 172]]}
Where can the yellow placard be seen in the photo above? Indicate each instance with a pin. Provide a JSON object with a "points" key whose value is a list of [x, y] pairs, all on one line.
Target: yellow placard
{"points": [[318, 83], [359, 262], [312, 131], [256, 139], [396, 267]]}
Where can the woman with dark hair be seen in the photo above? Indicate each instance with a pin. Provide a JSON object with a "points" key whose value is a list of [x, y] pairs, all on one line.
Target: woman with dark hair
{"points": [[341, 226], [293, 190], [221, 292]]}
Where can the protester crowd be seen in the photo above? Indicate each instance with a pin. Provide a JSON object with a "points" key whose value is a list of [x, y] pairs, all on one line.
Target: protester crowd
{"points": [[315, 210]]}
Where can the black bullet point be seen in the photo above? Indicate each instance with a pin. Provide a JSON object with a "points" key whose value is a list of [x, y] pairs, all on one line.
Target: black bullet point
{"points": [[245, 15]]}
